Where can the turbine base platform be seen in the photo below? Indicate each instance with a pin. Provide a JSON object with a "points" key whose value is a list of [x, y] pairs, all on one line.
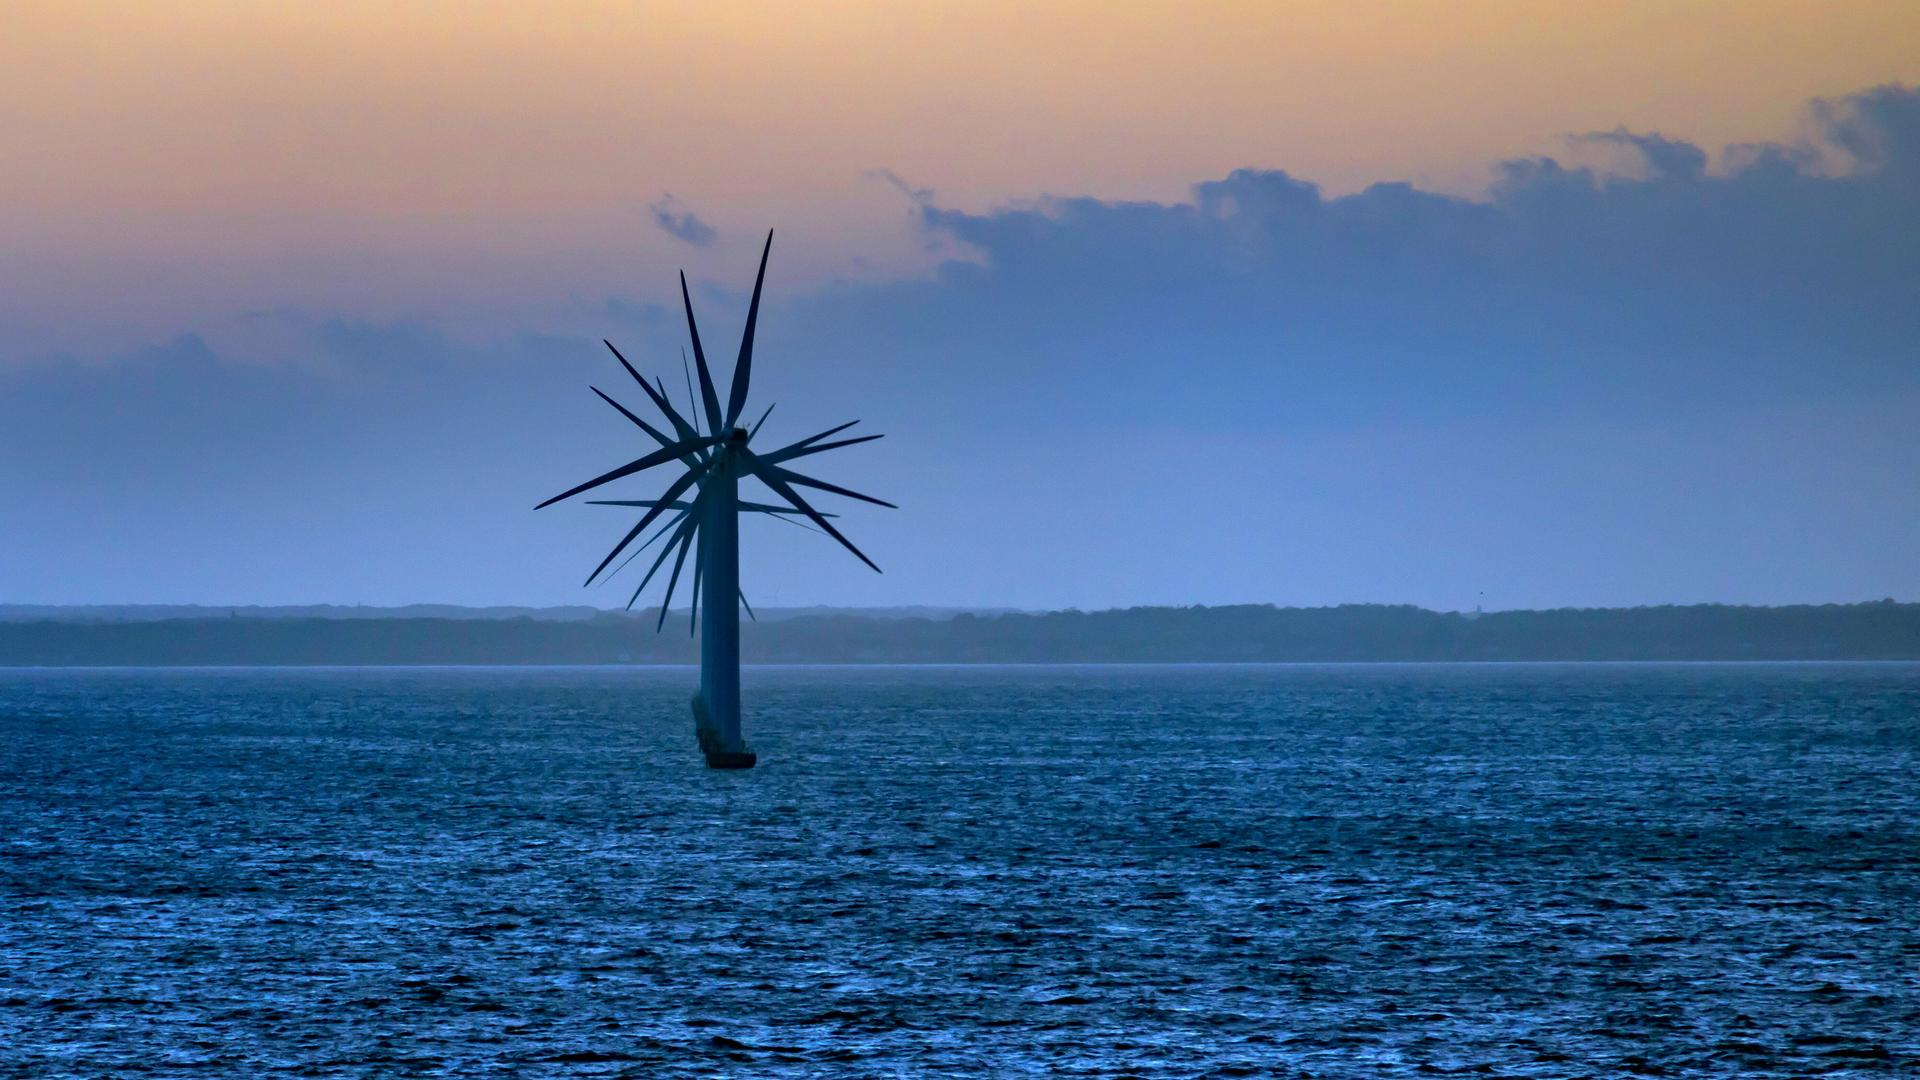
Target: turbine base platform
{"points": [[719, 754]]}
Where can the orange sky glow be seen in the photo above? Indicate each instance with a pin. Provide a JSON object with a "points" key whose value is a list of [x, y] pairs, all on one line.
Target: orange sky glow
{"points": [[478, 149]]}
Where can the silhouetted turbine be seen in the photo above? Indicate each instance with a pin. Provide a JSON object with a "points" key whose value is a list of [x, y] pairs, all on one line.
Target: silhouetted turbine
{"points": [[707, 524]]}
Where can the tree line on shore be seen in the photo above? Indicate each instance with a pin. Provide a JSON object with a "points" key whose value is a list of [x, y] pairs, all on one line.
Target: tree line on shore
{"points": [[1882, 630]]}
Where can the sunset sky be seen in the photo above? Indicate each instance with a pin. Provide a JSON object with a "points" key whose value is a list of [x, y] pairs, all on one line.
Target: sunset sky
{"points": [[298, 303]]}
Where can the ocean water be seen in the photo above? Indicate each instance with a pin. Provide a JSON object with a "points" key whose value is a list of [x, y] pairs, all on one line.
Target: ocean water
{"points": [[1555, 870]]}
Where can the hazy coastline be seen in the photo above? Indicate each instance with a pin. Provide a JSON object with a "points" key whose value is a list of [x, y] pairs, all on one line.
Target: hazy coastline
{"points": [[1883, 630]]}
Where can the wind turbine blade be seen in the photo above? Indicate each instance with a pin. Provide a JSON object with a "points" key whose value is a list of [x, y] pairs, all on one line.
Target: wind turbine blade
{"points": [[623, 362], [678, 561], [795, 521], [762, 420], [642, 424], [743, 367], [693, 609], [745, 507], [808, 481], [810, 440], [693, 420], [770, 476], [649, 542], [681, 427], [749, 607], [617, 548], [688, 524], [693, 407], [707, 396], [798, 524], [679, 488], [659, 397], [788, 455], [658, 457], [768, 508]]}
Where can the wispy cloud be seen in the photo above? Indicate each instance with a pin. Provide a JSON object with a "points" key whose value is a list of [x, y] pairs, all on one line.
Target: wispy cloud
{"points": [[681, 223], [922, 196]]}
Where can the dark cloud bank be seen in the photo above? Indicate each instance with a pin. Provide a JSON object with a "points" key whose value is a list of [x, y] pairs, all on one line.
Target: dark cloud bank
{"points": [[1797, 265], [1657, 381]]}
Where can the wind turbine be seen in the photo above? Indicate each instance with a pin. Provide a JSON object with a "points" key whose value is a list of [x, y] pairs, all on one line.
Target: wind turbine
{"points": [[715, 460]]}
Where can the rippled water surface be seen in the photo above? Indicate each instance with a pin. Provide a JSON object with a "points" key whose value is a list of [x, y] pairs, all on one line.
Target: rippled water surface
{"points": [[1335, 871]]}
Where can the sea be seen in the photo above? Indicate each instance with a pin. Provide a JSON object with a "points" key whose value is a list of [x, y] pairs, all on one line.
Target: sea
{"points": [[1540, 870]]}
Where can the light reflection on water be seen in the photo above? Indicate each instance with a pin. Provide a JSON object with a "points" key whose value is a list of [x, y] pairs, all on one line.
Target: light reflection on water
{"points": [[1370, 870]]}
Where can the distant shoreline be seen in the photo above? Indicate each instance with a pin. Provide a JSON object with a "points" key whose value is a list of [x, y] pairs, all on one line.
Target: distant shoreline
{"points": [[1878, 631], [964, 665]]}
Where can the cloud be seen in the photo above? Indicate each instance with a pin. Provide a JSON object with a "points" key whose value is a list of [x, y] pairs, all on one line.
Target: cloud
{"points": [[1771, 274], [677, 221], [1880, 128], [1691, 378], [1659, 156], [921, 196]]}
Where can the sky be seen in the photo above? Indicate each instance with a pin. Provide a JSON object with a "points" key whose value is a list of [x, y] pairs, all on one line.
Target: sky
{"points": [[1510, 305]]}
